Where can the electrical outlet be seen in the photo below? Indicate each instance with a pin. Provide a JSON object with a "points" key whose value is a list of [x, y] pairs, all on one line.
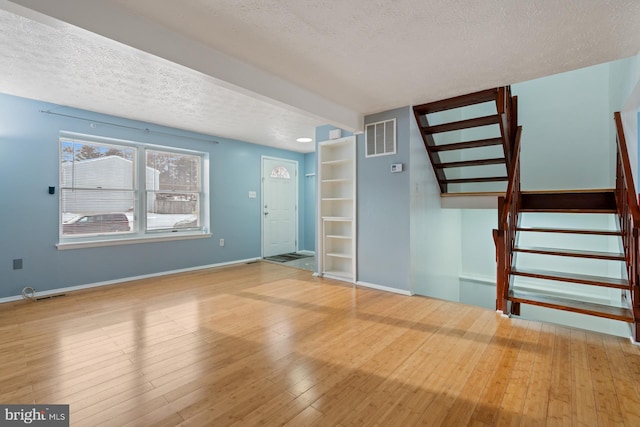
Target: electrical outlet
{"points": [[221, 242], [17, 264]]}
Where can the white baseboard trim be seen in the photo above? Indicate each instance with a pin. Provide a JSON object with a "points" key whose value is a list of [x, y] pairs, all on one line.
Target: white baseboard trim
{"points": [[530, 286], [126, 279], [384, 288], [485, 280], [305, 252]]}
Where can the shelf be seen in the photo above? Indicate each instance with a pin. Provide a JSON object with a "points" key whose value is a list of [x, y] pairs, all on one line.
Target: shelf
{"points": [[337, 218], [336, 255], [337, 208], [336, 162], [337, 180], [336, 143], [343, 274]]}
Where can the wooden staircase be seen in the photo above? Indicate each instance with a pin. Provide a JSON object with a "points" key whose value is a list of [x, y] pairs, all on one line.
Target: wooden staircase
{"points": [[469, 139], [571, 205], [569, 290]]}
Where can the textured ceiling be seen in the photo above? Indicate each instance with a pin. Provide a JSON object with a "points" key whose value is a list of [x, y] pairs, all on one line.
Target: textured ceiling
{"points": [[376, 55], [58, 65], [367, 56]]}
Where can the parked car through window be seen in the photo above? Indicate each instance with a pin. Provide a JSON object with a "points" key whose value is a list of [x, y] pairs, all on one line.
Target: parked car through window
{"points": [[93, 224]]}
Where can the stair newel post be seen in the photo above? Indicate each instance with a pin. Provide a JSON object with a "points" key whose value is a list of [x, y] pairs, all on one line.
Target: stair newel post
{"points": [[514, 121], [502, 108], [635, 283], [500, 237]]}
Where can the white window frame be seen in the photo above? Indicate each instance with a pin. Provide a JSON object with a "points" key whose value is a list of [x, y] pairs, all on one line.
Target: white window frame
{"points": [[140, 234], [385, 123]]}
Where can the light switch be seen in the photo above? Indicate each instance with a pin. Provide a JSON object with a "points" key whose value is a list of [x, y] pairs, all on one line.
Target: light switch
{"points": [[252, 194]]}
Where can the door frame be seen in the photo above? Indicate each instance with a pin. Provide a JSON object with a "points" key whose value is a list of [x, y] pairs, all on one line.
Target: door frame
{"points": [[296, 209]]}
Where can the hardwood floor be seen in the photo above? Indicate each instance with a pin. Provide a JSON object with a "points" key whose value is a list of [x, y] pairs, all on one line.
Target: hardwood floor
{"points": [[266, 344]]}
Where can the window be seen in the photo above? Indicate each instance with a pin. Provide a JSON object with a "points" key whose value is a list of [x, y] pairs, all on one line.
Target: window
{"points": [[173, 190], [105, 186], [280, 172], [381, 138]]}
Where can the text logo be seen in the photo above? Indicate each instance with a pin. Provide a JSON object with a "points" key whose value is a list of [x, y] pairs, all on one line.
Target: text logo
{"points": [[34, 415]]}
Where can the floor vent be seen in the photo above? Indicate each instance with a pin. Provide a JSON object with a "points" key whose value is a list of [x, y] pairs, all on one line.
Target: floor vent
{"points": [[50, 297]]}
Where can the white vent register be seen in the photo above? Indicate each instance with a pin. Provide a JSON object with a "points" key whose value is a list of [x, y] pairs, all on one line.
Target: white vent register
{"points": [[380, 138]]}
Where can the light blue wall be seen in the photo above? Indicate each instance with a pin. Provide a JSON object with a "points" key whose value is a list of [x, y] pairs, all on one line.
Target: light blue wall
{"points": [[383, 209], [29, 215], [566, 140], [435, 232], [309, 202]]}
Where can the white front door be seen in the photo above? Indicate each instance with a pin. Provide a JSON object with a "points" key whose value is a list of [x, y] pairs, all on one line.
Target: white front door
{"points": [[279, 206]]}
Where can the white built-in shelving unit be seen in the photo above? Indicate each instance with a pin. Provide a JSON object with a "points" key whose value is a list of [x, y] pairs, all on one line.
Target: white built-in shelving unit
{"points": [[337, 208]]}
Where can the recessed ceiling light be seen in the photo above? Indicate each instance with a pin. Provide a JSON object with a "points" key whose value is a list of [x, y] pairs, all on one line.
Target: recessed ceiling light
{"points": [[304, 139]]}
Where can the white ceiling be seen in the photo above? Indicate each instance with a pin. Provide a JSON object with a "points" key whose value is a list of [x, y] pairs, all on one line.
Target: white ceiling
{"points": [[267, 71]]}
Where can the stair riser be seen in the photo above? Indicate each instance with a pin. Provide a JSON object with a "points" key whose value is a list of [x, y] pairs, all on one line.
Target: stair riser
{"points": [[574, 310], [600, 257], [595, 202], [569, 280]]}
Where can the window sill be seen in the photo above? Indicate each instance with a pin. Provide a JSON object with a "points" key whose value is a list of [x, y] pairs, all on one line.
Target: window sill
{"points": [[63, 246]]}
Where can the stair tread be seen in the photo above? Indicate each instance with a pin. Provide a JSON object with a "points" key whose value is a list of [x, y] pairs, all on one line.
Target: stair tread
{"points": [[579, 202], [467, 144], [463, 124], [457, 101], [600, 310], [569, 231], [561, 276], [571, 252], [464, 163]]}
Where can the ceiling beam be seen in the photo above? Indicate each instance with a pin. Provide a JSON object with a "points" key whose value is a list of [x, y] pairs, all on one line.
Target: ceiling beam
{"points": [[113, 22]]}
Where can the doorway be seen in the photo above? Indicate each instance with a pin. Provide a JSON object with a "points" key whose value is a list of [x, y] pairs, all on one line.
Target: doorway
{"points": [[279, 206]]}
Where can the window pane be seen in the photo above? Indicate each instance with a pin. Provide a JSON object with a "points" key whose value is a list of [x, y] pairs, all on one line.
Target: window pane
{"points": [[280, 172], [173, 185], [380, 138], [97, 211], [168, 171], [389, 137], [92, 165], [97, 194], [172, 210], [371, 140]]}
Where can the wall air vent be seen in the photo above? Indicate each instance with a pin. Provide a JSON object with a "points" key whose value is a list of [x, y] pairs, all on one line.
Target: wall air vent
{"points": [[380, 138]]}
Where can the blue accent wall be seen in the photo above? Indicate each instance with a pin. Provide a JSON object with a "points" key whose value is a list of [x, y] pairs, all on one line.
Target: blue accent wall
{"points": [[29, 164]]}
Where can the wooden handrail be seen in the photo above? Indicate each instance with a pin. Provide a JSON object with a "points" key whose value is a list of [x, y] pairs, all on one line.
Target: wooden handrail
{"points": [[508, 208], [627, 174], [629, 217]]}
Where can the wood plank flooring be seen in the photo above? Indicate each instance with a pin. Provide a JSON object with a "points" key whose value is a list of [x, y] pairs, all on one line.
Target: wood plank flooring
{"points": [[263, 344]]}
